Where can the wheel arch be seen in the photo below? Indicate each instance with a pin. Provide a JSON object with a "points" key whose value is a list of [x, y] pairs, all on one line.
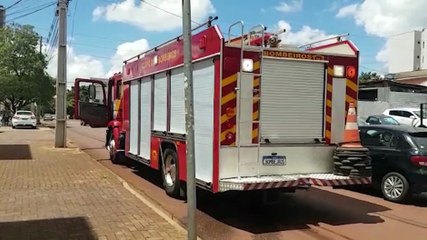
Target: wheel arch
{"points": [[166, 144], [390, 169]]}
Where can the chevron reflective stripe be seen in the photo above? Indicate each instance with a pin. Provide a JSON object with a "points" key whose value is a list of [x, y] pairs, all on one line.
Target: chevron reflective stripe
{"points": [[340, 182], [270, 185]]}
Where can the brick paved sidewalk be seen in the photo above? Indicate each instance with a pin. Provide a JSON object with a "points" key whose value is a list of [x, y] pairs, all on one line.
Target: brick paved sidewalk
{"points": [[47, 193]]}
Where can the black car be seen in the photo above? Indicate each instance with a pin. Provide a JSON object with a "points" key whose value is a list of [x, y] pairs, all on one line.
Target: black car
{"points": [[399, 159], [381, 120]]}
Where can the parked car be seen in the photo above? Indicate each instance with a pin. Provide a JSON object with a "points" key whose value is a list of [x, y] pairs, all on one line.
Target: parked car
{"points": [[361, 121], [24, 119], [399, 159], [381, 120], [48, 117], [407, 116]]}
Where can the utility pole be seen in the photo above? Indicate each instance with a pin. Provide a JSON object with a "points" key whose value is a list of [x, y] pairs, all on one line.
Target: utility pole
{"points": [[37, 106], [189, 121], [61, 79], [2, 16]]}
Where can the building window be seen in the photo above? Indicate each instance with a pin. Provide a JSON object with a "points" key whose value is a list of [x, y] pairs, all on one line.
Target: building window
{"points": [[368, 95]]}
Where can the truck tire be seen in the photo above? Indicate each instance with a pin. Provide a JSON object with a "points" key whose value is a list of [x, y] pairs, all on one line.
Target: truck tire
{"points": [[116, 157], [395, 187], [170, 173]]}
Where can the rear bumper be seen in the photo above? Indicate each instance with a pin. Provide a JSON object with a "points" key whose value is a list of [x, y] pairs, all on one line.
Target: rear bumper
{"points": [[418, 182], [16, 123], [288, 181]]}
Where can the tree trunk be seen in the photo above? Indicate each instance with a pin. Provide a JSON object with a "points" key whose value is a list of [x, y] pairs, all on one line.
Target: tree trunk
{"points": [[38, 114]]}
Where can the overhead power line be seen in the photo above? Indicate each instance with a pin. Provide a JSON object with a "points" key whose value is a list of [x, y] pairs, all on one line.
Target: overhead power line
{"points": [[166, 11], [11, 6], [27, 8], [52, 29], [74, 17], [32, 12]]}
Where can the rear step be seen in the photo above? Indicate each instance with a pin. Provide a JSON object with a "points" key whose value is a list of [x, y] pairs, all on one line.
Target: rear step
{"points": [[288, 181]]}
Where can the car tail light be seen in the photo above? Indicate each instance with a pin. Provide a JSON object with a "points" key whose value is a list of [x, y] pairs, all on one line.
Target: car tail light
{"points": [[419, 161], [33, 117], [15, 117]]}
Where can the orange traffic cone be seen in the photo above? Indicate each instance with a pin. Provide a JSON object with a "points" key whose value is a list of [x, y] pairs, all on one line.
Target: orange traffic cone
{"points": [[351, 132]]}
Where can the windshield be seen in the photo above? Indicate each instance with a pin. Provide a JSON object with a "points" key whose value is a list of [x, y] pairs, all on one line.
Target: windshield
{"points": [[420, 138], [389, 121], [24, 113]]}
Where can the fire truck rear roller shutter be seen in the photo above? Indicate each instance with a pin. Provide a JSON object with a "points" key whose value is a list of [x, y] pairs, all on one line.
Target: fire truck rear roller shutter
{"points": [[292, 100]]}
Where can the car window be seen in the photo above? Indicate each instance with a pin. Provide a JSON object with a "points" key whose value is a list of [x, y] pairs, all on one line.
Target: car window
{"points": [[23, 113], [377, 137], [395, 113], [373, 120], [420, 139], [399, 142], [406, 114], [389, 121]]}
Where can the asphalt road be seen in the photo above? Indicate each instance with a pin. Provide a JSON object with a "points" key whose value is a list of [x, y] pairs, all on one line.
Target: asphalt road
{"points": [[320, 213]]}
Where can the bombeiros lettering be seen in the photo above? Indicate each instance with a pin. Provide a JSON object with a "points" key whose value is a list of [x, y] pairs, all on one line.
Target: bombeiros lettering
{"points": [[150, 62], [168, 56], [283, 54]]}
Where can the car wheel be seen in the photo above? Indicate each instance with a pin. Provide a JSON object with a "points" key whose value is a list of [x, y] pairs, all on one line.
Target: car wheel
{"points": [[170, 173], [13, 127], [395, 187]]}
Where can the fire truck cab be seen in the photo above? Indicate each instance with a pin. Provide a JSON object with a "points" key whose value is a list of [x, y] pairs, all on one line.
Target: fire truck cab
{"points": [[267, 116]]}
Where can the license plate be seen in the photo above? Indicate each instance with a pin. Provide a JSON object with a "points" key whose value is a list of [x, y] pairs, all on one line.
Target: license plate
{"points": [[24, 118], [273, 160]]}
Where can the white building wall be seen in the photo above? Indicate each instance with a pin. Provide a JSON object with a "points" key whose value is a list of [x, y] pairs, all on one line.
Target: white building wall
{"points": [[394, 100], [405, 52], [423, 47]]}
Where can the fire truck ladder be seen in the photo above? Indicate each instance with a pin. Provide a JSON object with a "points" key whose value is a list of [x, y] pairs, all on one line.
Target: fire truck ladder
{"points": [[246, 94]]}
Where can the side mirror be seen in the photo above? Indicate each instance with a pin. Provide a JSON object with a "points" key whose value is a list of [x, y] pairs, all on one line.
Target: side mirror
{"points": [[92, 92]]}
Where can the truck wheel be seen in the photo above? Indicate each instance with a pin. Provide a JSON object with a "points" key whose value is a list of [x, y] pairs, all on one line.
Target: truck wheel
{"points": [[395, 187], [170, 174], [115, 156]]}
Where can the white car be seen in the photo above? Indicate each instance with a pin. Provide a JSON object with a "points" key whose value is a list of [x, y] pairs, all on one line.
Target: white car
{"points": [[406, 116], [24, 119]]}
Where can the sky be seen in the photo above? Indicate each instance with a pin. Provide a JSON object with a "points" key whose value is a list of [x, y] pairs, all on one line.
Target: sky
{"points": [[103, 33]]}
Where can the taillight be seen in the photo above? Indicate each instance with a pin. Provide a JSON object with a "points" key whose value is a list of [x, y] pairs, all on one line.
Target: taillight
{"points": [[419, 161], [15, 117], [33, 117]]}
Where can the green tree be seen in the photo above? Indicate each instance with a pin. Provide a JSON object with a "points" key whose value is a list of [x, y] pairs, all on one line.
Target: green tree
{"points": [[84, 94], [369, 77], [23, 79], [70, 102]]}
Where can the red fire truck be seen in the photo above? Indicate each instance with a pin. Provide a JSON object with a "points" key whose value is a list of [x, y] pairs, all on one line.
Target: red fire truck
{"points": [[267, 116]]}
